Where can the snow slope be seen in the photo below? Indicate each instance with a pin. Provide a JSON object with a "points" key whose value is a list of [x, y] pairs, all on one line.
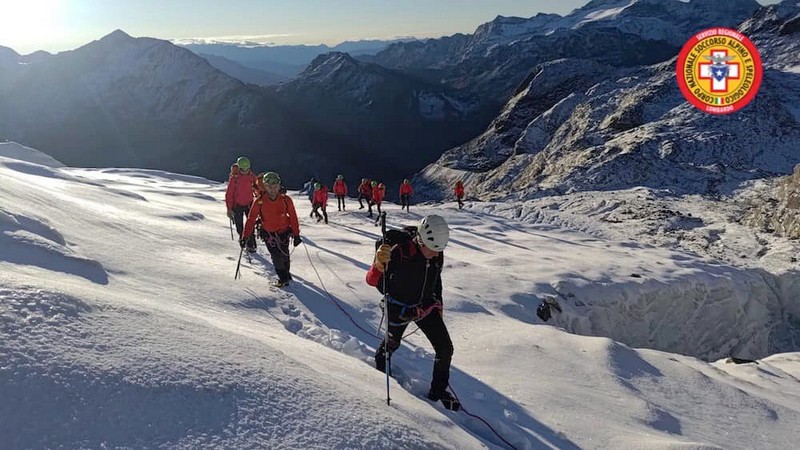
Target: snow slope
{"points": [[121, 326]]}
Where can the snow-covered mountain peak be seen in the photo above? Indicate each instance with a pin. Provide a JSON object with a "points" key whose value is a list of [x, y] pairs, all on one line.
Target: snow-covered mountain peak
{"points": [[328, 63], [782, 18], [122, 44], [368, 86], [596, 6], [117, 35], [504, 28], [120, 59], [670, 21], [665, 22], [115, 39], [342, 74]]}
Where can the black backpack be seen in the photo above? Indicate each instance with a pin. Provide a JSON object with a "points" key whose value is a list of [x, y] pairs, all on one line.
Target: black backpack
{"points": [[403, 236]]}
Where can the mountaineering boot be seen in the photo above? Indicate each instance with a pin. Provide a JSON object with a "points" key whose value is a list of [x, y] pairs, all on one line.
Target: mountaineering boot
{"points": [[283, 278], [448, 401]]}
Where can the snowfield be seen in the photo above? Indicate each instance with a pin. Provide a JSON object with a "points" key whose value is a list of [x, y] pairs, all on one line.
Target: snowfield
{"points": [[121, 325]]}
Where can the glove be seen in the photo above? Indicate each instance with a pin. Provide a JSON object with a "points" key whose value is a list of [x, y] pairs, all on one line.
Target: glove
{"points": [[230, 214], [297, 241], [242, 242], [382, 257]]}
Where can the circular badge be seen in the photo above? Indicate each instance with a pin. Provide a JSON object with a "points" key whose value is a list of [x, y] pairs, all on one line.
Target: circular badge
{"points": [[719, 70]]}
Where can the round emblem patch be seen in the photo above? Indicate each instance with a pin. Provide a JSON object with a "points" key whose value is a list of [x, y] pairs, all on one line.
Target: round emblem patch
{"points": [[719, 70]]}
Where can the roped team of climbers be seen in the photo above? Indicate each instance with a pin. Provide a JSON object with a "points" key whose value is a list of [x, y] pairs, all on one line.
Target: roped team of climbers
{"points": [[407, 273], [246, 190]]}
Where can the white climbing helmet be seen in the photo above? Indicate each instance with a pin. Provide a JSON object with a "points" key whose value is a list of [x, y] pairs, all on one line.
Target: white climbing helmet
{"points": [[434, 232]]}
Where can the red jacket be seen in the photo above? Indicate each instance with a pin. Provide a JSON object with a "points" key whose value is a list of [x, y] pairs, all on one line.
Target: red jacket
{"points": [[340, 187], [405, 189], [459, 190], [378, 193], [240, 191], [321, 196], [276, 216], [365, 189]]}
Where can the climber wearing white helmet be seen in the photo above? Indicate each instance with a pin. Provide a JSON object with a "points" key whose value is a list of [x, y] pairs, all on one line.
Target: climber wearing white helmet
{"points": [[412, 267]]}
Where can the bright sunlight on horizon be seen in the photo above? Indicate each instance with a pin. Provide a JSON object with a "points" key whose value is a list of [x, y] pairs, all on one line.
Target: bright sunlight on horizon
{"points": [[58, 25], [31, 24]]}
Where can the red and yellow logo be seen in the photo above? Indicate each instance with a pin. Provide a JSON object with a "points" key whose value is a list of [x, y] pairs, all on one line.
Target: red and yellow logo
{"points": [[719, 70]]}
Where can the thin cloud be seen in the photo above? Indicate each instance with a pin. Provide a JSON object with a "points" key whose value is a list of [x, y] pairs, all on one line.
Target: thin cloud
{"points": [[260, 39]]}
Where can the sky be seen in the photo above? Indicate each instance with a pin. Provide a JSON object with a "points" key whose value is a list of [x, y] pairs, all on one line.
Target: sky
{"points": [[121, 325], [58, 25]]}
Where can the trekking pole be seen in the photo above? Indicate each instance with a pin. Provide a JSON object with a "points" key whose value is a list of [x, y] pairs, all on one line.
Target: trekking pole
{"points": [[238, 265], [388, 365]]}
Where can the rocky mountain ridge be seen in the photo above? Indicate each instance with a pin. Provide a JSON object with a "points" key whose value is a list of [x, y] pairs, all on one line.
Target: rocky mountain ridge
{"points": [[574, 128], [142, 102]]}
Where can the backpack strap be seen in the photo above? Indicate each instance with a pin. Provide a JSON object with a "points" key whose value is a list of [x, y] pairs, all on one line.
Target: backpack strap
{"points": [[411, 249]]}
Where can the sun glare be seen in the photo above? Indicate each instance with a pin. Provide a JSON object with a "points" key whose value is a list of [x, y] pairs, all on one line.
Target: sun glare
{"points": [[26, 24]]}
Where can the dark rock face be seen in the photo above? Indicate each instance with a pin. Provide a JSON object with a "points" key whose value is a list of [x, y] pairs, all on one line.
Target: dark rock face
{"points": [[780, 214]]}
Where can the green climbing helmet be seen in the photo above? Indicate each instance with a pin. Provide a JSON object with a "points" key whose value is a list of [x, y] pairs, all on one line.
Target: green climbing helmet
{"points": [[272, 178], [374, 183], [317, 185], [406, 181], [243, 162]]}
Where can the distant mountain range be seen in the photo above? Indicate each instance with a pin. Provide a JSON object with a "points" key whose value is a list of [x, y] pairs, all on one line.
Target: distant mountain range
{"points": [[404, 119], [144, 102], [521, 107], [285, 61], [246, 74]]}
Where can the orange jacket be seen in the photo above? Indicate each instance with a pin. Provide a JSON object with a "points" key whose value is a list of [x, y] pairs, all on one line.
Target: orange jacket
{"points": [[405, 189], [365, 189], [239, 191], [378, 193], [321, 196], [340, 187], [276, 216], [459, 190]]}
